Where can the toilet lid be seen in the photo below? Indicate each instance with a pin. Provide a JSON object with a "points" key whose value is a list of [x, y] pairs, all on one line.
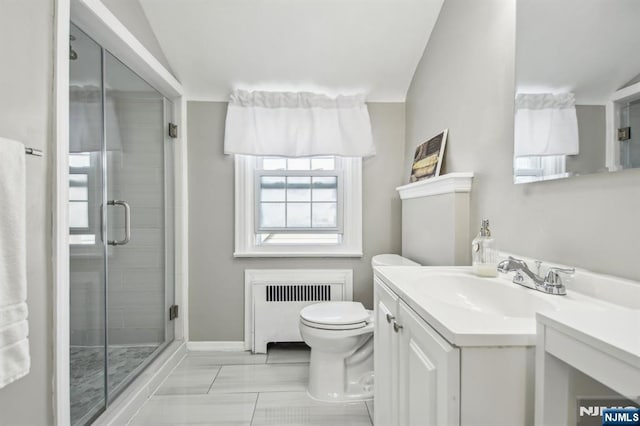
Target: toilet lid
{"points": [[335, 313]]}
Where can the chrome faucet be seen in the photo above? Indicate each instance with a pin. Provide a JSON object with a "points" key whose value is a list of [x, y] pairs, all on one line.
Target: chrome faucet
{"points": [[551, 284]]}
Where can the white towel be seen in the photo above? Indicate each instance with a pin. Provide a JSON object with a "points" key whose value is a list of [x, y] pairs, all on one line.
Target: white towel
{"points": [[546, 124], [14, 328]]}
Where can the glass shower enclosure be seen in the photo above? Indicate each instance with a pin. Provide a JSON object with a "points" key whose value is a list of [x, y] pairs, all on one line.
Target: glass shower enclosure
{"points": [[120, 226]]}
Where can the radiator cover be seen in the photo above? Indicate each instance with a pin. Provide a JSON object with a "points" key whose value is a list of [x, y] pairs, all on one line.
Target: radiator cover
{"points": [[274, 298]]}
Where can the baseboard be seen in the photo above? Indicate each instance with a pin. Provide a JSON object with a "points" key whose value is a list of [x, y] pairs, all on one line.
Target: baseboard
{"points": [[215, 346], [127, 404]]}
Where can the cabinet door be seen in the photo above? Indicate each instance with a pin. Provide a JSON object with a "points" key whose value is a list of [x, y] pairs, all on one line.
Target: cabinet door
{"points": [[429, 374], [385, 356]]}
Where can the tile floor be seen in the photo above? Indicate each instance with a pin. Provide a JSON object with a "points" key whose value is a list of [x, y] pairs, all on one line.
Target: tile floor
{"points": [[237, 388]]}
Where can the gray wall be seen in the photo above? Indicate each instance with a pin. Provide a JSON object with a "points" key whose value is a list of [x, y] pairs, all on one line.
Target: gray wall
{"points": [[216, 279], [592, 134], [465, 82], [131, 14], [435, 229], [25, 84]]}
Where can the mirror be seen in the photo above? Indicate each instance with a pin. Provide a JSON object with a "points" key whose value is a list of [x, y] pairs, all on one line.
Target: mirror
{"points": [[577, 88]]}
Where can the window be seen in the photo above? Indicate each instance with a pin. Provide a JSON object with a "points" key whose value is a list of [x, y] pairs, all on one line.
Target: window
{"points": [[82, 230], [535, 168], [298, 206], [298, 196]]}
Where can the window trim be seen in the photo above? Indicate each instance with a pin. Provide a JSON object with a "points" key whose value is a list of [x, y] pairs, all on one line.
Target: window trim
{"points": [[245, 226]]}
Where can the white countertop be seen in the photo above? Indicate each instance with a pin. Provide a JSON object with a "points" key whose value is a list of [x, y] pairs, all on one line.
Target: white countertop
{"points": [[471, 311], [616, 332]]}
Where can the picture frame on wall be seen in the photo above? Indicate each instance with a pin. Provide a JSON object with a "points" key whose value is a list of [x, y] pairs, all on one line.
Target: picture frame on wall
{"points": [[427, 160]]}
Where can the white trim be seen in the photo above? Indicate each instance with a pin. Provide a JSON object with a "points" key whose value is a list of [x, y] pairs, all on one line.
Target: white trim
{"points": [[127, 404], [245, 246], [248, 313], [445, 184], [228, 346], [612, 111], [95, 19], [612, 150], [181, 212], [258, 276], [60, 197], [105, 28], [285, 253], [626, 94]]}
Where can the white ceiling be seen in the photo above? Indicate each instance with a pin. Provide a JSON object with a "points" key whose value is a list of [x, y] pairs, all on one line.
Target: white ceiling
{"points": [[589, 47], [329, 46]]}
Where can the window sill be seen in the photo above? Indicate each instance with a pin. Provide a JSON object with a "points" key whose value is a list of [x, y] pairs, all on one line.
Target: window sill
{"points": [[298, 254]]}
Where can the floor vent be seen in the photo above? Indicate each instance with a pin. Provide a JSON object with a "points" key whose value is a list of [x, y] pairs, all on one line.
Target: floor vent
{"points": [[274, 297], [298, 293]]}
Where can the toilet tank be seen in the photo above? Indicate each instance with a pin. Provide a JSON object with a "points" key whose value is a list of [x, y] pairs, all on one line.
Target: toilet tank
{"points": [[391, 260]]}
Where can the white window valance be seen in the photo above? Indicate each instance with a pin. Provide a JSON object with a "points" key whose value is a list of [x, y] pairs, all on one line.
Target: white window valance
{"points": [[546, 124], [297, 125]]}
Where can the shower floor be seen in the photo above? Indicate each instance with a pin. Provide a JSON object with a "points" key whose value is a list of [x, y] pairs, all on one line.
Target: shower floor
{"points": [[87, 375]]}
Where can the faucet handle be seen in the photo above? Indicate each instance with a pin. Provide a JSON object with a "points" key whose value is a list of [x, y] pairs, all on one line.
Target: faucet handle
{"points": [[553, 276], [511, 264], [538, 266]]}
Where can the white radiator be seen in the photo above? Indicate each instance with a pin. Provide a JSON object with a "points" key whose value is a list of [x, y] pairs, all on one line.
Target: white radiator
{"points": [[274, 298]]}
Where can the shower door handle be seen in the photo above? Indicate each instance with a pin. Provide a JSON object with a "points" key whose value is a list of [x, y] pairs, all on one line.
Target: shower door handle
{"points": [[127, 222]]}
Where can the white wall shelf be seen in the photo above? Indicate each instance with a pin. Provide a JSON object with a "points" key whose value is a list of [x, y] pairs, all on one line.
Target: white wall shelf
{"points": [[445, 184]]}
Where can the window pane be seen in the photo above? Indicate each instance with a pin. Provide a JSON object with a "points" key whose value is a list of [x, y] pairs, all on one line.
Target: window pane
{"points": [[325, 188], [78, 193], [80, 160], [272, 188], [298, 188], [298, 163], [78, 214], [272, 215], [323, 163], [78, 179], [299, 215], [325, 215], [274, 163]]}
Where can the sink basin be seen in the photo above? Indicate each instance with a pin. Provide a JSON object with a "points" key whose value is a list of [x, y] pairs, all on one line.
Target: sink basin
{"points": [[473, 311], [484, 295]]}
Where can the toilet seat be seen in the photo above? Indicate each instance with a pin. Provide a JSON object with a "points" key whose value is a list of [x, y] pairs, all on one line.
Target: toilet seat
{"points": [[335, 315], [322, 326]]}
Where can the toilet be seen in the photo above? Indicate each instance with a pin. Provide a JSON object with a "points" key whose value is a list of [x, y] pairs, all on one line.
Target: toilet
{"points": [[340, 335]]}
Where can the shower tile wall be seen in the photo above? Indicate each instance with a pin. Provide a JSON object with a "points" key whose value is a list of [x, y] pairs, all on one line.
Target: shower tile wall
{"points": [[136, 270]]}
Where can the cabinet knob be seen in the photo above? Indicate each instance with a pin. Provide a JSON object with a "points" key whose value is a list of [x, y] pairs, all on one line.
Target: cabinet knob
{"points": [[397, 327], [390, 318]]}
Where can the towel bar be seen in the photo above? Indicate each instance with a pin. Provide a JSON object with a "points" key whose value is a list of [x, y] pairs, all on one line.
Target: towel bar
{"points": [[34, 151]]}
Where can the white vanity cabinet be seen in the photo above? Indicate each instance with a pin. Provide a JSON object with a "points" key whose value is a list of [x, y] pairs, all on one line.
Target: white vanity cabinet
{"points": [[452, 348], [385, 356], [423, 378], [428, 373], [417, 371]]}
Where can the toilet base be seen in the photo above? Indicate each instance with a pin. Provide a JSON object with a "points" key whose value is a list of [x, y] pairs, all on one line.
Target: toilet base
{"points": [[331, 381]]}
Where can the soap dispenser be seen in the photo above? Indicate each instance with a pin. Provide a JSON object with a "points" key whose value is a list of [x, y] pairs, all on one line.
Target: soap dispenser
{"points": [[484, 253]]}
